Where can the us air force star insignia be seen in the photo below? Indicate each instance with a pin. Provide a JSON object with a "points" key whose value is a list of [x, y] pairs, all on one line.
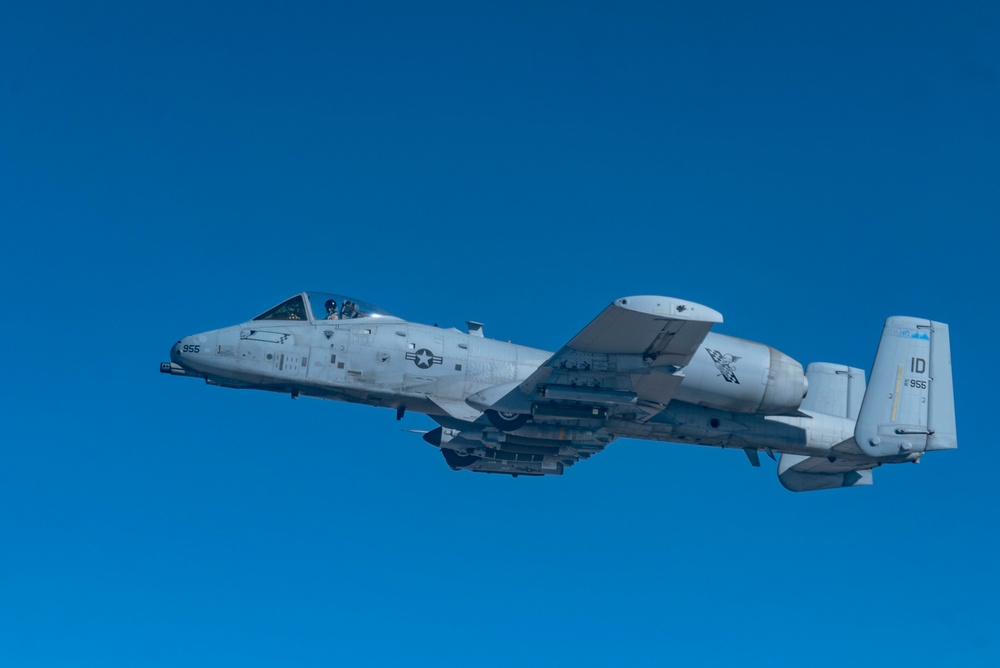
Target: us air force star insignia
{"points": [[424, 359], [724, 363]]}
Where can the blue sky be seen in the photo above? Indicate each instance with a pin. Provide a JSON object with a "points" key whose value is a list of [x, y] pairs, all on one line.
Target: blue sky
{"points": [[806, 169]]}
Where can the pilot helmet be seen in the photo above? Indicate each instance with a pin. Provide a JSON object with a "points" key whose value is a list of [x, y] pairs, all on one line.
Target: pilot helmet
{"points": [[331, 305]]}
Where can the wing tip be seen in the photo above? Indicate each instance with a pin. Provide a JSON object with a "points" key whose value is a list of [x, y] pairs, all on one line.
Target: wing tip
{"points": [[670, 307]]}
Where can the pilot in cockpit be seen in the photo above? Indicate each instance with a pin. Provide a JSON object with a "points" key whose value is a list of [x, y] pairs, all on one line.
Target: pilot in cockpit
{"points": [[331, 310], [349, 311]]}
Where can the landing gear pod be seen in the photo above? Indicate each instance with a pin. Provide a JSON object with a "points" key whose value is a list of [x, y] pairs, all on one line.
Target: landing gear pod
{"points": [[507, 421]]}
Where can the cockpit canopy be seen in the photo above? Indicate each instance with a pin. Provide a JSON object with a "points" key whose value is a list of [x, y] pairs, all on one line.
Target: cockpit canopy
{"points": [[317, 306]]}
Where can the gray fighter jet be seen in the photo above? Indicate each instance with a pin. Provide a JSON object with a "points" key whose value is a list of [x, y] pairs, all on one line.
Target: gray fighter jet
{"points": [[646, 367]]}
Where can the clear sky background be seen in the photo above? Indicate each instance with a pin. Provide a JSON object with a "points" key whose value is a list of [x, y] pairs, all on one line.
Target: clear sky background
{"points": [[807, 169]]}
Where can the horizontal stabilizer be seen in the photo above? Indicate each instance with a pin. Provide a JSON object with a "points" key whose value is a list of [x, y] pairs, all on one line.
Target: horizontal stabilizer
{"points": [[798, 473]]}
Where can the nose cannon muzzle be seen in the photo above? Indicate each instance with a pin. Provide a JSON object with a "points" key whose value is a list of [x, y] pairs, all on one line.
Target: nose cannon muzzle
{"points": [[175, 369]]}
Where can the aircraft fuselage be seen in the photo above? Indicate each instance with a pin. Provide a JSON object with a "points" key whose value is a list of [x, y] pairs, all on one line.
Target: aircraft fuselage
{"points": [[646, 367]]}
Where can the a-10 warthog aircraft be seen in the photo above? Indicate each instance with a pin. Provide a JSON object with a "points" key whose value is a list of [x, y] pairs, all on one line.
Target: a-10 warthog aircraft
{"points": [[646, 367]]}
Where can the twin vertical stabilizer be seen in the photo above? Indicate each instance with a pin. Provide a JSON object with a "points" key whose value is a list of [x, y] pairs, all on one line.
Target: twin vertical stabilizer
{"points": [[909, 404]]}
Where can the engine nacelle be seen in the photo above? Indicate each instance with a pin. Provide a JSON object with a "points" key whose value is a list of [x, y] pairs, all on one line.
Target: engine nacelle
{"points": [[743, 377]]}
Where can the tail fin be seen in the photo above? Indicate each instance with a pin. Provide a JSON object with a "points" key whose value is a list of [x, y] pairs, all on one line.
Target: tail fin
{"points": [[909, 404], [834, 389]]}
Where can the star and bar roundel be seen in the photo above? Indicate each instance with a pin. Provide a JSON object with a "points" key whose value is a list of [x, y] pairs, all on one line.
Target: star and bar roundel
{"points": [[424, 359]]}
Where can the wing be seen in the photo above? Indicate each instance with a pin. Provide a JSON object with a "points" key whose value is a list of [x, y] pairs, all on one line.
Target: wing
{"points": [[625, 361]]}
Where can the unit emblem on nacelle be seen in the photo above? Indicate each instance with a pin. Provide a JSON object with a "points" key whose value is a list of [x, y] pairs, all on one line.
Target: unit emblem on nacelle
{"points": [[724, 363]]}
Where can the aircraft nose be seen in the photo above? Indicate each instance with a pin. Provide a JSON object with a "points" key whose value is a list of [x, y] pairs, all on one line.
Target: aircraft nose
{"points": [[182, 351], [202, 355], [195, 350]]}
